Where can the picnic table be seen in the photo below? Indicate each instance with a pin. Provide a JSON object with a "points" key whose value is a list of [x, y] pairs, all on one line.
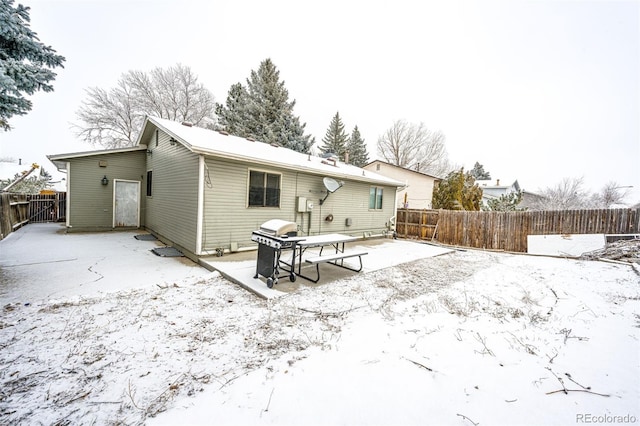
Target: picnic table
{"points": [[335, 245]]}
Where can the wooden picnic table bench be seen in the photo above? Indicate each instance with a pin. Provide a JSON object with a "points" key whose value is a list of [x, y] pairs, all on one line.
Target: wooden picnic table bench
{"points": [[335, 241]]}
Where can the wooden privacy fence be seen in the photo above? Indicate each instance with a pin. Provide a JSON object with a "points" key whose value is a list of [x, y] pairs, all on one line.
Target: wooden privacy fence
{"points": [[47, 207], [508, 231], [14, 212], [17, 210]]}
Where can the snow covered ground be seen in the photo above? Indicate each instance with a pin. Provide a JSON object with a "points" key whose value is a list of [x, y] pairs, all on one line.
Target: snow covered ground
{"points": [[465, 338]]}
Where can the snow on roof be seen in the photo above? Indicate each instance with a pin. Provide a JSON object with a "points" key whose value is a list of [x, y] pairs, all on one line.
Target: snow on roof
{"points": [[217, 144], [400, 167], [9, 169], [489, 183]]}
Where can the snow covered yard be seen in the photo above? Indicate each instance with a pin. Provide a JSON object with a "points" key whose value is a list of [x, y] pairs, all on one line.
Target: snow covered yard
{"points": [[464, 338]]}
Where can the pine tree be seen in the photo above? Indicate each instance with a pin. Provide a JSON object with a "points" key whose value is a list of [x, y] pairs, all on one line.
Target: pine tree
{"points": [[479, 173], [358, 155], [505, 203], [262, 110], [336, 139], [233, 115], [457, 192], [25, 62]]}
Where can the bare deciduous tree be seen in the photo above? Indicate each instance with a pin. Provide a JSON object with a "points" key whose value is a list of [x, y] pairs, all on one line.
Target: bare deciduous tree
{"points": [[569, 194], [112, 118], [415, 147], [611, 194]]}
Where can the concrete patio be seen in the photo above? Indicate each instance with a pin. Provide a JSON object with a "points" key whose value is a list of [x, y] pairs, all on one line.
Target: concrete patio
{"points": [[382, 253], [42, 262]]}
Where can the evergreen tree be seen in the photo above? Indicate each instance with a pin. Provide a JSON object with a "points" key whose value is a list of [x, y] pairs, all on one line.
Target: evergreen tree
{"points": [[233, 115], [358, 155], [336, 139], [262, 110], [479, 173], [25, 62], [505, 203], [458, 191]]}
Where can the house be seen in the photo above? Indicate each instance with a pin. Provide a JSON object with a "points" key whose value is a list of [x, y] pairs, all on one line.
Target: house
{"points": [[417, 191], [203, 191], [492, 190]]}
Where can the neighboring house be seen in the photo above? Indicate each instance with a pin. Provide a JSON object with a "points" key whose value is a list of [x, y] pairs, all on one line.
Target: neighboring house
{"points": [[493, 190], [417, 191], [201, 190], [530, 200]]}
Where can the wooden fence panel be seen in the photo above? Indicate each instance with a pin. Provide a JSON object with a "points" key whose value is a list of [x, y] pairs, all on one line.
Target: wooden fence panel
{"points": [[47, 207], [508, 231], [17, 210], [14, 211]]}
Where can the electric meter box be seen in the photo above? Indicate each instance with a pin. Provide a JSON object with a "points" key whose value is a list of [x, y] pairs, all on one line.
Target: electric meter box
{"points": [[303, 205]]}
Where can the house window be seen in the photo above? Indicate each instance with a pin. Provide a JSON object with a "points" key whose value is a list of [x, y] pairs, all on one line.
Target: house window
{"points": [[264, 189], [375, 198], [149, 179]]}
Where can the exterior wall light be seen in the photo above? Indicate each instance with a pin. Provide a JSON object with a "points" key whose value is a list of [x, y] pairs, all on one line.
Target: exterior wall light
{"points": [[172, 141], [104, 180]]}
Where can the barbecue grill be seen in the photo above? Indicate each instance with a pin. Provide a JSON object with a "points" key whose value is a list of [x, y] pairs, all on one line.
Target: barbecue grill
{"points": [[273, 237]]}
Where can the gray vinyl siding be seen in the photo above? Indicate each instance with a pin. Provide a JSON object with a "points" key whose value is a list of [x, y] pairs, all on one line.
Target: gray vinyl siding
{"points": [[228, 219], [91, 203], [351, 201], [173, 205], [227, 216]]}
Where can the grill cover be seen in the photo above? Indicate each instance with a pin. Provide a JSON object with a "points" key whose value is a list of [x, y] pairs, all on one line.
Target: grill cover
{"points": [[278, 227]]}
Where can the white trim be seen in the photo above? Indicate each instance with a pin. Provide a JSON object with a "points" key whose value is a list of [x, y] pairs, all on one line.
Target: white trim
{"points": [[266, 172], [68, 198], [115, 181], [59, 157], [200, 213]]}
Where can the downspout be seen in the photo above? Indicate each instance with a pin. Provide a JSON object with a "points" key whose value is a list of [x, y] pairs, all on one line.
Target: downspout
{"points": [[200, 214], [67, 202]]}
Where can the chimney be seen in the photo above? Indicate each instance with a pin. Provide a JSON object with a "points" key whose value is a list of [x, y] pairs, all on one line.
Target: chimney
{"points": [[187, 123], [19, 161], [497, 182], [346, 157]]}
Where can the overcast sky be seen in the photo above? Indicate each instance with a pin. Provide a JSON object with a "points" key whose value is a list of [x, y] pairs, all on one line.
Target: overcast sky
{"points": [[535, 91]]}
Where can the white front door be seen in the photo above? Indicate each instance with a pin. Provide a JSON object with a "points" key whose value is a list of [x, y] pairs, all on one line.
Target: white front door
{"points": [[126, 203]]}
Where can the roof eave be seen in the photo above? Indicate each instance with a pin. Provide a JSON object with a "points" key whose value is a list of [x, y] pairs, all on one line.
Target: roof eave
{"points": [[60, 160], [294, 167]]}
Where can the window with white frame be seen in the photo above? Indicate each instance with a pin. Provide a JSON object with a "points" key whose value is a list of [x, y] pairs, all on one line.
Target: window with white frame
{"points": [[264, 189], [375, 198]]}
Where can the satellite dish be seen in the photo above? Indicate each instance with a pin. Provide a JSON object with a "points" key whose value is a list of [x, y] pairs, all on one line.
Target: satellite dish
{"points": [[332, 185]]}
